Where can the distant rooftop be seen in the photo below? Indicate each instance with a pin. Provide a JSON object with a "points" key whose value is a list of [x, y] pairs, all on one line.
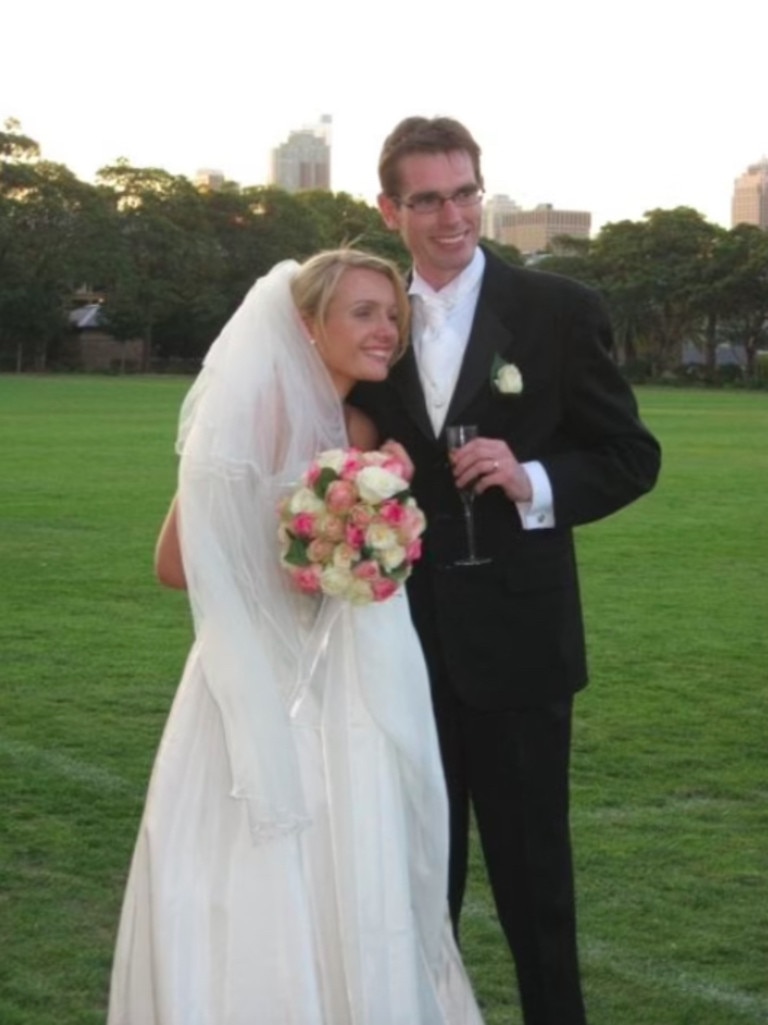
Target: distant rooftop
{"points": [[89, 316]]}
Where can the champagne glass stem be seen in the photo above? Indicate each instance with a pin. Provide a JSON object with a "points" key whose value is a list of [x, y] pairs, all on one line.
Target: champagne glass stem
{"points": [[457, 435], [469, 522]]}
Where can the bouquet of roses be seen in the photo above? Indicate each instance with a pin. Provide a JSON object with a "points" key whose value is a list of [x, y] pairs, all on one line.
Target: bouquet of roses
{"points": [[351, 530]]}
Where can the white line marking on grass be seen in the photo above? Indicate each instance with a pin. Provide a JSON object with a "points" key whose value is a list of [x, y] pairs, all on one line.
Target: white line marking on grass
{"points": [[648, 973], [671, 806], [69, 768], [664, 975]]}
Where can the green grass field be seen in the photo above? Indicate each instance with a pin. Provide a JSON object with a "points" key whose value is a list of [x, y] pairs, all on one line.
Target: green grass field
{"points": [[670, 795]]}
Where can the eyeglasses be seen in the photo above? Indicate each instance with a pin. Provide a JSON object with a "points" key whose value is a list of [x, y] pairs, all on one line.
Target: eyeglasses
{"points": [[431, 202]]}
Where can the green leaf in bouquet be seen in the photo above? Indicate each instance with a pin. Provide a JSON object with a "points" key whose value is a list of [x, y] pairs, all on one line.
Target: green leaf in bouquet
{"points": [[326, 477], [297, 553]]}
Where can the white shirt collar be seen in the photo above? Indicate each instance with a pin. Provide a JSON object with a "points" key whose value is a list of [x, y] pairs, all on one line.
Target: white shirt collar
{"points": [[457, 289]]}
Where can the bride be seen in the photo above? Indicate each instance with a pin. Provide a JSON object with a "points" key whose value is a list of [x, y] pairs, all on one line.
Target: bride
{"points": [[290, 867]]}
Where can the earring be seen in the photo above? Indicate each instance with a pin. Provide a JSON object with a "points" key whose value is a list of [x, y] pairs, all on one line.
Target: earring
{"points": [[312, 341]]}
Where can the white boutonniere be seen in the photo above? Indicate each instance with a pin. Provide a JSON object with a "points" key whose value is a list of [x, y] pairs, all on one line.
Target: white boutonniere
{"points": [[506, 377]]}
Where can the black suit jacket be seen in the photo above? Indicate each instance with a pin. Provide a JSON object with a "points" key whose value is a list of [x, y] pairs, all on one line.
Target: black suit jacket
{"points": [[511, 633]]}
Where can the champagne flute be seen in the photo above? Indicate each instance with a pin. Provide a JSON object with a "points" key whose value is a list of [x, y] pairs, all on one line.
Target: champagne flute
{"points": [[457, 436]]}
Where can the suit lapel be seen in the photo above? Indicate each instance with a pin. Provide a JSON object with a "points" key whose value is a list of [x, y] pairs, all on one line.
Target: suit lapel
{"points": [[487, 338]]}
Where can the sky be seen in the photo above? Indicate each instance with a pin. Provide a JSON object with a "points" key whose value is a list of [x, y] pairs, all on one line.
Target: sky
{"points": [[615, 108]]}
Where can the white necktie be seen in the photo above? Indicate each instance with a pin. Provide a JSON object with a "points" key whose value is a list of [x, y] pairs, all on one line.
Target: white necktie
{"points": [[434, 358], [430, 349]]}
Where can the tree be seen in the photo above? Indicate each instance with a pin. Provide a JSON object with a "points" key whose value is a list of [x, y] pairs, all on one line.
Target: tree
{"points": [[15, 146], [618, 268], [46, 216], [743, 288], [571, 257], [168, 258], [510, 254], [345, 221], [651, 272]]}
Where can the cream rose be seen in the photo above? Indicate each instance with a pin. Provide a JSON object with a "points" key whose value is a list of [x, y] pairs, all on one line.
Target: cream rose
{"points": [[304, 500], [380, 537], [376, 484], [336, 581], [360, 592], [391, 558], [343, 556], [332, 459], [509, 380]]}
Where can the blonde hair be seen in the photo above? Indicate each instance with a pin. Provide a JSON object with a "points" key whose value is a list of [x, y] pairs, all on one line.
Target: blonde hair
{"points": [[316, 281]]}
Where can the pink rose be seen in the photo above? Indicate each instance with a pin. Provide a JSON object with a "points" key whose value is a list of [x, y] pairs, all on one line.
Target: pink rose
{"points": [[306, 578], [303, 524], [392, 512], [413, 550], [340, 496], [412, 523], [383, 588], [366, 570], [360, 515], [332, 528], [354, 536], [320, 550], [375, 457], [396, 467], [352, 464]]}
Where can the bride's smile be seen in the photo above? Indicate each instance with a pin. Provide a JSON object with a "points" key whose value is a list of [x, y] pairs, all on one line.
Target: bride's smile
{"points": [[358, 337]]}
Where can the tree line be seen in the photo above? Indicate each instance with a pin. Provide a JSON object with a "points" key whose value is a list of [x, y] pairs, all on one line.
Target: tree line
{"points": [[673, 278], [170, 261]]}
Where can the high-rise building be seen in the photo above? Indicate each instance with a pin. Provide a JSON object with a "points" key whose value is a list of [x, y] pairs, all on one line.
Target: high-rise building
{"points": [[534, 231], [304, 160], [750, 196], [494, 209]]}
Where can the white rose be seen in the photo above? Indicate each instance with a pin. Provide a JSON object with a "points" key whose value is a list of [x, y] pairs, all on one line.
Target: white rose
{"points": [[509, 380], [333, 459], [380, 537], [391, 558], [376, 484], [335, 581], [360, 592], [343, 556], [304, 500]]}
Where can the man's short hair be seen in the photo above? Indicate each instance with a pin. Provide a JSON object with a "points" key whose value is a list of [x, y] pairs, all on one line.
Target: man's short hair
{"points": [[424, 135]]}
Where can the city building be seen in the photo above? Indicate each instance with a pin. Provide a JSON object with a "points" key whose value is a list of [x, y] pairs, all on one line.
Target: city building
{"points": [[209, 179], [494, 209], [750, 196], [304, 160], [533, 231]]}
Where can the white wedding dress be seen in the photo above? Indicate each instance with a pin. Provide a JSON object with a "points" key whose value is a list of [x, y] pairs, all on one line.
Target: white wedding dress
{"points": [[291, 864]]}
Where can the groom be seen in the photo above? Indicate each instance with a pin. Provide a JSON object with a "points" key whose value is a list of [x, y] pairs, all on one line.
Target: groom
{"points": [[524, 356]]}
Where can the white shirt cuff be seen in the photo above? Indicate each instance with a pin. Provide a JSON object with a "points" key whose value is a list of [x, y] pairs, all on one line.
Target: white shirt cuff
{"points": [[539, 513]]}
